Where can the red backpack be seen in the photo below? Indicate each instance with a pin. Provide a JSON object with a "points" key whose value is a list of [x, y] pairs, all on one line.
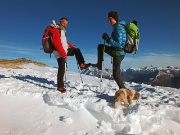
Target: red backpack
{"points": [[48, 47]]}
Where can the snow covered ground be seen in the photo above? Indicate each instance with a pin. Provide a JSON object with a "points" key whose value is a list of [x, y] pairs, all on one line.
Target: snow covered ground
{"points": [[30, 105]]}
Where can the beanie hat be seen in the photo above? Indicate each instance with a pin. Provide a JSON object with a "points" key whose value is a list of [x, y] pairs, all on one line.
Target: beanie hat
{"points": [[113, 14]]}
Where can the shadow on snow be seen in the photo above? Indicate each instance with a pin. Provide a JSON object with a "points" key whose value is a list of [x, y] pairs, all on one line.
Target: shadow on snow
{"points": [[36, 81]]}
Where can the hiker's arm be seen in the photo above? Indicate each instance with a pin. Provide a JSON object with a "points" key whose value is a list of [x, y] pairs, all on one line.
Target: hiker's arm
{"points": [[71, 45], [56, 40]]}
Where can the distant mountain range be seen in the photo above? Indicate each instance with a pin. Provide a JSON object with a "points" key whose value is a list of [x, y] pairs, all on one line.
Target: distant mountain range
{"points": [[155, 76]]}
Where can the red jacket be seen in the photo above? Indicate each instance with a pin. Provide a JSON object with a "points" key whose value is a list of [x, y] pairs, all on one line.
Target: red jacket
{"points": [[56, 40]]}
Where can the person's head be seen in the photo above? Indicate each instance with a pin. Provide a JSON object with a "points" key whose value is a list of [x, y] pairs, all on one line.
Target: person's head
{"points": [[63, 22], [112, 17]]}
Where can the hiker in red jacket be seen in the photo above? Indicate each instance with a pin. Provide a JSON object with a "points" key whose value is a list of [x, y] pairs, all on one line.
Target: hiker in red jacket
{"points": [[64, 49]]}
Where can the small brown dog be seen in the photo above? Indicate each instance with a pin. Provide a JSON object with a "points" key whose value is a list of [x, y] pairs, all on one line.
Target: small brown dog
{"points": [[125, 96]]}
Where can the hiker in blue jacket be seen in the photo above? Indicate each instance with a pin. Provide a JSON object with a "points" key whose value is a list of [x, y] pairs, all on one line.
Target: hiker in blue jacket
{"points": [[117, 40]]}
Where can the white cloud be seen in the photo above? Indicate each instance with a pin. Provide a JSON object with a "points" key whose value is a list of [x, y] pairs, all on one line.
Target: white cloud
{"points": [[159, 60], [9, 49], [154, 59]]}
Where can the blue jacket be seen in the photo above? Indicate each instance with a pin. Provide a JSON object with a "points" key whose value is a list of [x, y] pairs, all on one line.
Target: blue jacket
{"points": [[118, 36]]}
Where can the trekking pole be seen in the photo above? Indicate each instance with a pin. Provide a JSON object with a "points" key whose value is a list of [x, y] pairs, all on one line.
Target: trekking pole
{"points": [[65, 78], [102, 68], [79, 71], [110, 75], [101, 80]]}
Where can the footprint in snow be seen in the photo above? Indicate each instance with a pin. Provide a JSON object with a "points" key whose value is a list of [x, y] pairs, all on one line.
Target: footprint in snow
{"points": [[65, 119]]}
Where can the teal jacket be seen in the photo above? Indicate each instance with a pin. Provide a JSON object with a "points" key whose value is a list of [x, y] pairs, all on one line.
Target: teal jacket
{"points": [[118, 36]]}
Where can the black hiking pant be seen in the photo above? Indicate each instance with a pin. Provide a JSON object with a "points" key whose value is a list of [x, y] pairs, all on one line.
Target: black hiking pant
{"points": [[116, 62], [61, 64]]}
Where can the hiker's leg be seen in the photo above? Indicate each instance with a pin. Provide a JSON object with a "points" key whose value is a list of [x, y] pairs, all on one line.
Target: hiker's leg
{"points": [[101, 49], [117, 71], [61, 71], [77, 53]]}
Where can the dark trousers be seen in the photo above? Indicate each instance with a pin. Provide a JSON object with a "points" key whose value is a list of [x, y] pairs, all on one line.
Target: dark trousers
{"points": [[116, 63], [61, 64]]}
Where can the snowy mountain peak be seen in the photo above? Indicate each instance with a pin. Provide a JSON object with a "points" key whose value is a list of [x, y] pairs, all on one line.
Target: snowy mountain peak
{"points": [[157, 76]]}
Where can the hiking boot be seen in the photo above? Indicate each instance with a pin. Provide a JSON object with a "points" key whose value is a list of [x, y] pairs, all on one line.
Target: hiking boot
{"points": [[99, 66], [84, 66], [61, 89]]}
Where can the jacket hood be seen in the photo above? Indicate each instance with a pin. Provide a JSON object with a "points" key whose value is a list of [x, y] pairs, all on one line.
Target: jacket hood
{"points": [[53, 24], [122, 22]]}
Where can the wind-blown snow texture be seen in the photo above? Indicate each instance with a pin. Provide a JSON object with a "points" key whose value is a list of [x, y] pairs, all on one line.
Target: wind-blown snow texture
{"points": [[30, 105]]}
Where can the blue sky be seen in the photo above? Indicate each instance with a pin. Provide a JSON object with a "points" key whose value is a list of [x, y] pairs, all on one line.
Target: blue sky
{"points": [[23, 22]]}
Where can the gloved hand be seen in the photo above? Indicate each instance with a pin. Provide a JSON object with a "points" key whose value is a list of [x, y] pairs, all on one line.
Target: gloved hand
{"points": [[106, 37]]}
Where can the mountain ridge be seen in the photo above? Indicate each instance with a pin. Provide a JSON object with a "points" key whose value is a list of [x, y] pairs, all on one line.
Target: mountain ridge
{"points": [[14, 63], [156, 76]]}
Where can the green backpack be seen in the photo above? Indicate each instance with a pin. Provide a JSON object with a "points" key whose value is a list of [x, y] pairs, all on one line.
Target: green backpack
{"points": [[132, 36]]}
